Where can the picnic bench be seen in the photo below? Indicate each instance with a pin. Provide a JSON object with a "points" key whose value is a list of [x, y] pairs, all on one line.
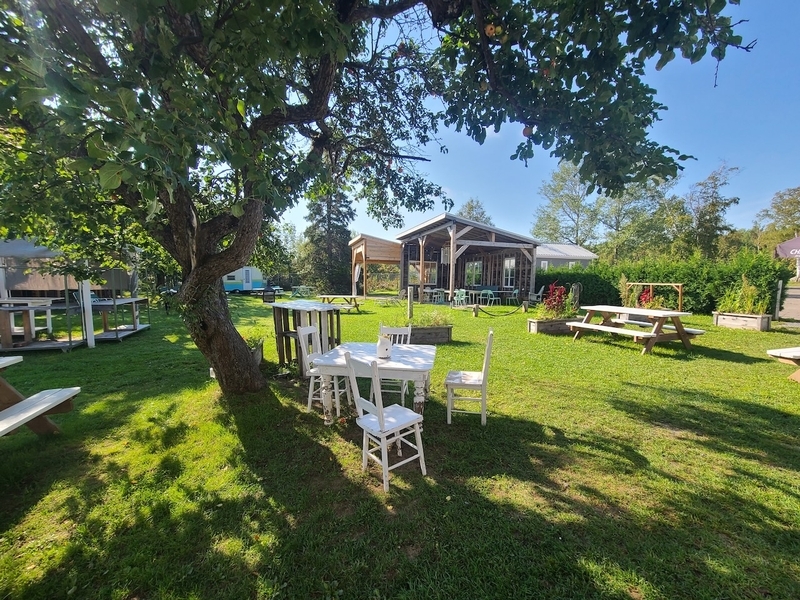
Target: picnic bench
{"points": [[350, 301], [16, 410], [657, 320], [790, 356]]}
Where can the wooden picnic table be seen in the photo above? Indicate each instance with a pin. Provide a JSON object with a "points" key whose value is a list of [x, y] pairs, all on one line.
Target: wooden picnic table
{"points": [[17, 410], [790, 356], [350, 300], [660, 325]]}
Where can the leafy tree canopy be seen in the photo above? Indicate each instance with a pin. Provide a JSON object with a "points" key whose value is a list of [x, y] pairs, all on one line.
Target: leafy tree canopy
{"points": [[197, 121], [474, 210]]}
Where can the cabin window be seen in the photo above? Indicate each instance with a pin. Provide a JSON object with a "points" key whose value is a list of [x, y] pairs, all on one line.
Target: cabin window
{"points": [[509, 271], [230, 277], [474, 273], [543, 265], [572, 263]]}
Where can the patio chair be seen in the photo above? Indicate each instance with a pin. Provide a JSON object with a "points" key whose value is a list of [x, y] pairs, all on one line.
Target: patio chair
{"points": [[513, 298], [397, 335], [488, 297], [308, 338], [460, 298], [469, 381], [537, 297], [438, 296], [385, 425]]}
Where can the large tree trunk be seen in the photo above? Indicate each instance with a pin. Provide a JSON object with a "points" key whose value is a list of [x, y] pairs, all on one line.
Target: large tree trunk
{"points": [[209, 323]]}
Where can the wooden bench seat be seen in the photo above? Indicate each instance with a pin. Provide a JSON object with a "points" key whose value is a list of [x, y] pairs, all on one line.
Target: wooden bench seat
{"points": [[636, 335], [688, 330], [45, 402]]}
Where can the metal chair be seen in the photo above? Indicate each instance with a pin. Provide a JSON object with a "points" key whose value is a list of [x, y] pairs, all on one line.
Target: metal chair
{"points": [[491, 297], [470, 381], [513, 298], [460, 298], [385, 425]]}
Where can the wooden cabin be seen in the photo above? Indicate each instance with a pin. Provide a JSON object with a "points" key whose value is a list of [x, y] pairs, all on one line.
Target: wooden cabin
{"points": [[451, 252], [366, 250]]}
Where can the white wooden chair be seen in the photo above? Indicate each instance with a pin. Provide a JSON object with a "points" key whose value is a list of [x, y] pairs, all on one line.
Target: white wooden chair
{"points": [[384, 426], [311, 348], [397, 335], [469, 381]]}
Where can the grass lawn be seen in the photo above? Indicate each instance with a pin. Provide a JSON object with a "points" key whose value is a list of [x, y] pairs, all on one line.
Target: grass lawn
{"points": [[601, 473]]}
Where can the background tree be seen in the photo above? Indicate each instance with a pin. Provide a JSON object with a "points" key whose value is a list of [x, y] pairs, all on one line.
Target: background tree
{"points": [[706, 206], [324, 256], [200, 120], [569, 216], [629, 229], [473, 210], [781, 221]]}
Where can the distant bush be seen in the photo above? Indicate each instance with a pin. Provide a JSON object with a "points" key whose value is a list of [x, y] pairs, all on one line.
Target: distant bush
{"points": [[704, 281]]}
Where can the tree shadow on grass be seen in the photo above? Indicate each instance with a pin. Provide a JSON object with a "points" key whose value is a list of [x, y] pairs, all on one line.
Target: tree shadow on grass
{"points": [[519, 508]]}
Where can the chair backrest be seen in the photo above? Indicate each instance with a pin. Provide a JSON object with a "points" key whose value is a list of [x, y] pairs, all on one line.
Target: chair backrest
{"points": [[403, 294], [398, 335], [486, 358], [515, 293], [364, 405], [308, 338], [485, 294]]}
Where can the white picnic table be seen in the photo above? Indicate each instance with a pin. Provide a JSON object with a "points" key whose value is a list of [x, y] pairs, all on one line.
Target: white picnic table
{"points": [[790, 356]]}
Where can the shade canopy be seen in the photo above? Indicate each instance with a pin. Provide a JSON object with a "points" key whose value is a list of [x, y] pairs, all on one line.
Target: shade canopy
{"points": [[789, 249]]}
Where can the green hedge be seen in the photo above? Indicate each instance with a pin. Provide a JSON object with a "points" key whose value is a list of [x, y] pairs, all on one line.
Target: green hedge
{"points": [[704, 281]]}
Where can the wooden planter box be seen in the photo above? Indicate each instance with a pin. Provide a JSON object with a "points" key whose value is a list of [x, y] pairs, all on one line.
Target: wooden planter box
{"points": [[550, 326], [738, 321], [439, 334]]}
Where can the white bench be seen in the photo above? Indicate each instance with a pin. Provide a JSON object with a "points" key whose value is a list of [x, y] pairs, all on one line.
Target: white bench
{"points": [[37, 405], [636, 335], [688, 330]]}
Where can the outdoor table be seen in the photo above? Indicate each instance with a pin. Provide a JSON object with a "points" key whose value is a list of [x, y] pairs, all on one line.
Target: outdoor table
{"points": [[119, 331], [350, 300], [408, 362], [34, 301], [790, 356], [301, 291], [39, 423], [288, 316], [615, 323]]}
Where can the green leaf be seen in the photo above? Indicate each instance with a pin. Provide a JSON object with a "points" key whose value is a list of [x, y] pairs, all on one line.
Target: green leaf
{"points": [[95, 147], [81, 165], [240, 107], [111, 176], [128, 100]]}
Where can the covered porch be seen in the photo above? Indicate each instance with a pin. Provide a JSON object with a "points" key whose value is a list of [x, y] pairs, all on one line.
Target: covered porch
{"points": [[449, 252]]}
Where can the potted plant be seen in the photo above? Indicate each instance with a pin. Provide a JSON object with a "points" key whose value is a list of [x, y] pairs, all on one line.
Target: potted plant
{"points": [[742, 307], [554, 312], [433, 327]]}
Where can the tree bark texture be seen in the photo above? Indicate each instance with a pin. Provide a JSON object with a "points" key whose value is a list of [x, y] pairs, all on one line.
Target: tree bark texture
{"points": [[209, 323]]}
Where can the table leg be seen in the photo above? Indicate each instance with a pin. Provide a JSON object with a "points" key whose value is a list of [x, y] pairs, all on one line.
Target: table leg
{"points": [[27, 326], [586, 319], [419, 395], [658, 326], [327, 399], [6, 324], [676, 321], [39, 425]]}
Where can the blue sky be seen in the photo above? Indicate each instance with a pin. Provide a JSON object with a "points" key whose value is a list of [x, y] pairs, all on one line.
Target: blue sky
{"points": [[751, 120]]}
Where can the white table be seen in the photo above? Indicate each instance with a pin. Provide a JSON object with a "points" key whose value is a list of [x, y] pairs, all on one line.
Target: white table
{"points": [[408, 362]]}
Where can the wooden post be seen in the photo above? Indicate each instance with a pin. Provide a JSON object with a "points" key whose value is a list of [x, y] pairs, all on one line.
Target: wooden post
{"points": [[410, 303]]}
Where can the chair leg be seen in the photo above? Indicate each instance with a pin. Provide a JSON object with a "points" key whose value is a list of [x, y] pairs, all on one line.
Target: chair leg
{"points": [[385, 464], [449, 405], [365, 452], [418, 436], [483, 409], [336, 393], [311, 382]]}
